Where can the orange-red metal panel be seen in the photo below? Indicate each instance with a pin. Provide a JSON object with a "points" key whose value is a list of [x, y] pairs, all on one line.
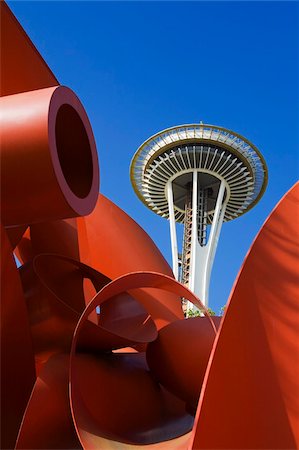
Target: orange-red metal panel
{"points": [[157, 307], [15, 234], [115, 397], [22, 67], [100, 232], [17, 361], [114, 244], [56, 175], [57, 236], [47, 422], [55, 292], [251, 392], [178, 358], [121, 401], [55, 297]]}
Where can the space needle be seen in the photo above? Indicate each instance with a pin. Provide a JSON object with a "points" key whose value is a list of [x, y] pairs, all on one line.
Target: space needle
{"points": [[199, 175]]}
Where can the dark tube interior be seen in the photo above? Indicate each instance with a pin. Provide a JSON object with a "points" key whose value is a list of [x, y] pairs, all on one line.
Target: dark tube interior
{"points": [[74, 152]]}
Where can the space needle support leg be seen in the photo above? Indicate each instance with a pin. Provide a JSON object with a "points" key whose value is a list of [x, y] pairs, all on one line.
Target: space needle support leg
{"points": [[194, 237], [205, 255], [217, 222], [173, 236], [218, 216]]}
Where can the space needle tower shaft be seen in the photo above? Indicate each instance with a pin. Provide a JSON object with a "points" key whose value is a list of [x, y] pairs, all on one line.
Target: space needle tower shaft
{"points": [[201, 176], [198, 247]]}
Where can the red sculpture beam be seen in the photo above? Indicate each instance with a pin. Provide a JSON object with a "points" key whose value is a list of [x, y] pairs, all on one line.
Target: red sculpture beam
{"points": [[47, 422], [121, 400], [114, 244], [119, 397], [56, 236], [17, 361], [252, 384], [23, 68], [56, 176]]}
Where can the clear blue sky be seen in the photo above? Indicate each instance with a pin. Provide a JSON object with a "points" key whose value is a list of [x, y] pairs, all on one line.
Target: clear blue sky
{"points": [[139, 67]]}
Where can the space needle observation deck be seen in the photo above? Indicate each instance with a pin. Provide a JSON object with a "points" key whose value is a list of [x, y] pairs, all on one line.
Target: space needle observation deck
{"points": [[199, 175]]}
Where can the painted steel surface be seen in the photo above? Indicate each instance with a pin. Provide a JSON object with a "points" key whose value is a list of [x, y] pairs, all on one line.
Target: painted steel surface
{"points": [[103, 231], [24, 68], [123, 414], [114, 244], [47, 422], [15, 234], [179, 357], [95, 350], [48, 132], [17, 375], [57, 236], [54, 307], [254, 403]]}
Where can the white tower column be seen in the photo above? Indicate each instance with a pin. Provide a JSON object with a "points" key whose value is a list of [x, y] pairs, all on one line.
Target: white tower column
{"points": [[173, 236], [202, 257]]}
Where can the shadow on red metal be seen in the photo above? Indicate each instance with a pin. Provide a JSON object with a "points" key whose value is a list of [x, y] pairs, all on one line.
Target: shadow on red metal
{"points": [[94, 387], [179, 357], [121, 401], [39, 130], [114, 244], [251, 387], [22, 69], [17, 362]]}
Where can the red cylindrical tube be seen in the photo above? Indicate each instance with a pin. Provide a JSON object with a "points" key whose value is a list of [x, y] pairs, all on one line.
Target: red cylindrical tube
{"points": [[49, 164]]}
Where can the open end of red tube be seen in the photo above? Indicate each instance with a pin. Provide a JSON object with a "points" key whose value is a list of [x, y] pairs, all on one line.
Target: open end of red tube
{"points": [[74, 151]]}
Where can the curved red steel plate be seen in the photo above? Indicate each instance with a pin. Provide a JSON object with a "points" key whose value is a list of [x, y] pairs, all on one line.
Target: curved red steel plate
{"points": [[114, 244], [133, 283], [100, 243], [179, 357], [39, 130], [15, 234], [47, 422], [57, 236], [124, 314], [108, 249], [55, 292], [110, 405], [23, 68], [17, 361], [116, 398], [252, 385]]}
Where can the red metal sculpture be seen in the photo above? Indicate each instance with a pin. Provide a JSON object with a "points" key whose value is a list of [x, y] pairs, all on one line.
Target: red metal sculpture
{"points": [[258, 346], [95, 350]]}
